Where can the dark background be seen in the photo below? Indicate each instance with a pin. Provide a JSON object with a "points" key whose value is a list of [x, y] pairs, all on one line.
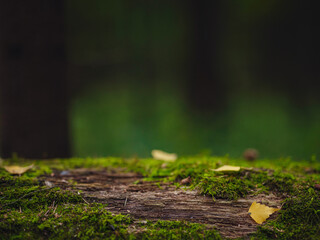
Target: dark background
{"points": [[97, 78]]}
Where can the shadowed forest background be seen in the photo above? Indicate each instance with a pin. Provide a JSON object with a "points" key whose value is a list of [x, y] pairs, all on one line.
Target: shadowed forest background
{"points": [[101, 78]]}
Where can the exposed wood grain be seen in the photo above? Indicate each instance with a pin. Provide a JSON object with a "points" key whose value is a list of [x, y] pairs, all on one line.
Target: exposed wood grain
{"points": [[146, 200]]}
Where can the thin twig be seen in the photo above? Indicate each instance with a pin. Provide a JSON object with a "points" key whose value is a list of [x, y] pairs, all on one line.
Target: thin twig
{"points": [[55, 209], [84, 200], [125, 202], [47, 212]]}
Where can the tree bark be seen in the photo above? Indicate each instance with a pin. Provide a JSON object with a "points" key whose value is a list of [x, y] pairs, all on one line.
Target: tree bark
{"points": [[126, 193], [34, 104]]}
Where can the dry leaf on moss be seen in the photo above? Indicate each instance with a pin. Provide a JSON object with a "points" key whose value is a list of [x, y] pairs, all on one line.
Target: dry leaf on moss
{"points": [[161, 155], [227, 168], [185, 181], [17, 169], [260, 212]]}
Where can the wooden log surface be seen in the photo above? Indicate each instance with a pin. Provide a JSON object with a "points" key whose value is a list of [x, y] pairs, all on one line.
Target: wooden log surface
{"points": [[126, 193]]}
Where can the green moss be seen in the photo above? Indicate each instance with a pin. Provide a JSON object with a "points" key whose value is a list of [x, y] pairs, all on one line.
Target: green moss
{"points": [[230, 187], [92, 222], [81, 221], [299, 218], [63, 221], [235, 185], [27, 193], [176, 230], [29, 210]]}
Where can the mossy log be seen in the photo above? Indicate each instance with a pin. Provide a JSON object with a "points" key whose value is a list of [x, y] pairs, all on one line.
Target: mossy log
{"points": [[126, 193], [115, 198]]}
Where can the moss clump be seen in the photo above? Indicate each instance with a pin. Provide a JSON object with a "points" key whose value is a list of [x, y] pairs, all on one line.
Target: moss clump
{"points": [[82, 221], [299, 218], [23, 194], [29, 210], [63, 221], [32, 211], [230, 187], [235, 185], [176, 230]]}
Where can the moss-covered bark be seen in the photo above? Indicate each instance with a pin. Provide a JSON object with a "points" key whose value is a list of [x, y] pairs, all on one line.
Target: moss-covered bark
{"points": [[114, 198]]}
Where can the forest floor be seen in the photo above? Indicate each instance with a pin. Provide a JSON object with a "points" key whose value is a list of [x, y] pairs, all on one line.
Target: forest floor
{"points": [[114, 198]]}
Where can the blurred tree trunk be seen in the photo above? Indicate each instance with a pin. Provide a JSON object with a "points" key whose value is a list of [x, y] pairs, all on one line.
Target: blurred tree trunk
{"points": [[204, 86], [291, 53], [34, 104]]}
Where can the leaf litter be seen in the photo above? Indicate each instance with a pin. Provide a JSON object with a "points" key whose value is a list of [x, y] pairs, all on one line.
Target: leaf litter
{"points": [[260, 212], [161, 155], [17, 170], [227, 168]]}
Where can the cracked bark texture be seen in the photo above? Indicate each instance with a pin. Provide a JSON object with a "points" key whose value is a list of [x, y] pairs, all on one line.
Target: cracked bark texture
{"points": [[126, 193]]}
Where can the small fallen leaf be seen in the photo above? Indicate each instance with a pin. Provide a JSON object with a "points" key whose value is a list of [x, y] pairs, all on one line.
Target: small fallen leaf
{"points": [[227, 168], [186, 181], [17, 169], [161, 155], [48, 184], [250, 154], [260, 212]]}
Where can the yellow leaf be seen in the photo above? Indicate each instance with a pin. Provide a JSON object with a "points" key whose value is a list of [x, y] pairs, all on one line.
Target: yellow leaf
{"points": [[227, 168], [260, 212], [17, 169], [161, 155]]}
